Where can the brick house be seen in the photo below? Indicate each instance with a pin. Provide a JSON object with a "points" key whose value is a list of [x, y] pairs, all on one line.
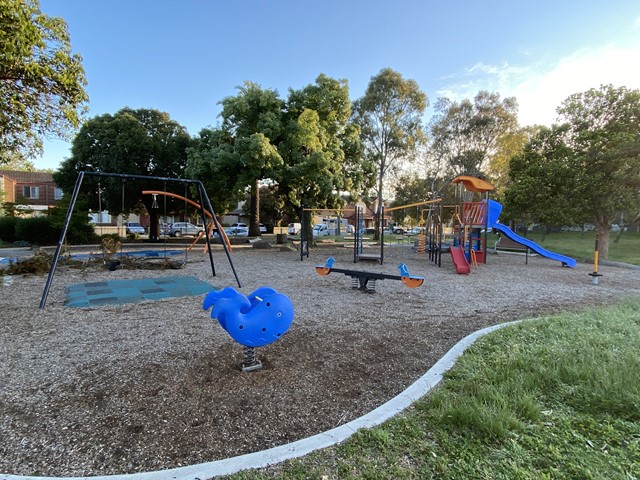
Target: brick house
{"points": [[34, 191]]}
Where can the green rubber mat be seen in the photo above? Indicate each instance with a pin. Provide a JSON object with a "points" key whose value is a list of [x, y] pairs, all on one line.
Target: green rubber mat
{"points": [[117, 292]]}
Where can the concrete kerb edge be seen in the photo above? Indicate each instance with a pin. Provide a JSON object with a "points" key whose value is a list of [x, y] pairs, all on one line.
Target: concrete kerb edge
{"points": [[307, 445]]}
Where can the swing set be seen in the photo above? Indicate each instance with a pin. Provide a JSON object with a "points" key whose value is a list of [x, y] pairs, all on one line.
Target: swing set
{"points": [[204, 200]]}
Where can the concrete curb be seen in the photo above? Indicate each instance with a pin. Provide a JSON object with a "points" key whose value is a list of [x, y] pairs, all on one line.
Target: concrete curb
{"points": [[307, 445]]}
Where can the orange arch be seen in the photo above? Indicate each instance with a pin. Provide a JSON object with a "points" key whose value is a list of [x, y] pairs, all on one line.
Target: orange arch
{"points": [[223, 234]]}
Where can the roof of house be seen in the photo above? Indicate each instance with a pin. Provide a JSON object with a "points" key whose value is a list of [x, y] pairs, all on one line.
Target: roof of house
{"points": [[27, 177]]}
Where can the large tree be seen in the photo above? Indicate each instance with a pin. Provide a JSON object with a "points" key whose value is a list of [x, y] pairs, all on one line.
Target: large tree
{"points": [[598, 149], [135, 142], [390, 118], [604, 132], [306, 146], [41, 80], [321, 147], [468, 134], [543, 181]]}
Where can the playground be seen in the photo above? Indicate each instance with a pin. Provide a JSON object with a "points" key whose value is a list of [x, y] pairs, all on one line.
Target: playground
{"points": [[133, 387]]}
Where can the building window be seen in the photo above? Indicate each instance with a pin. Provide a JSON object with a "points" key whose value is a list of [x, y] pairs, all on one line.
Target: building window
{"points": [[31, 192], [57, 193]]}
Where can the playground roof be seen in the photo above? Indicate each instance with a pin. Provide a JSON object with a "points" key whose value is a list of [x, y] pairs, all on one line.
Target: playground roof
{"points": [[474, 184]]}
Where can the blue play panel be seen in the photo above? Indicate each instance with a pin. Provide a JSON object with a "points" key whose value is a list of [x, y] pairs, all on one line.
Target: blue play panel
{"points": [[111, 292]]}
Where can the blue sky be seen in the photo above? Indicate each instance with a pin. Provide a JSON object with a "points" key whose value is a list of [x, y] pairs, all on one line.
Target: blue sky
{"points": [[184, 56]]}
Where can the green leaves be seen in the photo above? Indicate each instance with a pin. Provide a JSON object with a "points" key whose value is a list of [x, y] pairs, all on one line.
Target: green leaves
{"points": [[41, 81]]}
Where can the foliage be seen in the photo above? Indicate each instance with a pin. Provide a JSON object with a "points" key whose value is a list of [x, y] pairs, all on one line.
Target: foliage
{"points": [[136, 142], [468, 135], [80, 230], [390, 118], [306, 148], [321, 147], [410, 189], [591, 163], [8, 229], [41, 80], [543, 181], [37, 231], [110, 243]]}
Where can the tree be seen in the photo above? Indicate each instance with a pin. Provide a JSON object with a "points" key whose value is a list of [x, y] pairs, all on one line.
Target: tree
{"points": [[307, 147], [135, 142], [41, 80], [590, 163], [604, 132], [542, 181], [321, 147], [468, 134], [390, 118]]}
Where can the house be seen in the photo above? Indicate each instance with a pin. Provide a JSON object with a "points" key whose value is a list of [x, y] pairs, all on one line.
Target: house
{"points": [[31, 191]]}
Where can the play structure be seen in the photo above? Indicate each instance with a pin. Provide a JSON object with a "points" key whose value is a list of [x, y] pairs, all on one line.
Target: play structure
{"points": [[474, 221], [366, 281], [253, 321], [204, 200]]}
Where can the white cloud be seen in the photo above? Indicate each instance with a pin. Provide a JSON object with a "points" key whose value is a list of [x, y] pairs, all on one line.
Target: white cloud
{"points": [[540, 89]]}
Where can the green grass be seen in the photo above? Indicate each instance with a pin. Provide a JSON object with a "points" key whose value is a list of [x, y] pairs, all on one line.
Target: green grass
{"points": [[551, 398], [581, 245]]}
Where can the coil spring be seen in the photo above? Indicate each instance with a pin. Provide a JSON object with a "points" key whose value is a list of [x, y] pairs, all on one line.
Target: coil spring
{"points": [[249, 357], [371, 285]]}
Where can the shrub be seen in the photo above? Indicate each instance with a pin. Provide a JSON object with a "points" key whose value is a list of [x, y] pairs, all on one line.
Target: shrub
{"points": [[8, 229], [37, 230]]}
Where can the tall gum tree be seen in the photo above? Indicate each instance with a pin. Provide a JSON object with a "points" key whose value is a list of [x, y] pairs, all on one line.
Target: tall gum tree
{"points": [[390, 119], [41, 81]]}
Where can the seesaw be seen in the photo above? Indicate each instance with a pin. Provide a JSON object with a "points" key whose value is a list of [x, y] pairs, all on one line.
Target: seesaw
{"points": [[366, 281]]}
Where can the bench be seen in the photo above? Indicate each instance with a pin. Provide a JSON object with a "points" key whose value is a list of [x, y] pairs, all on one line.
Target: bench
{"points": [[505, 245]]}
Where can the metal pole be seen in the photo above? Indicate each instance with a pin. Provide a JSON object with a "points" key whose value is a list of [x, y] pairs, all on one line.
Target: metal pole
{"points": [[63, 234], [596, 256]]}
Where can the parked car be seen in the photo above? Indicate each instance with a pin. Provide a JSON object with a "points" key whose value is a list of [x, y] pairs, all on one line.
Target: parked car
{"points": [[294, 228], [179, 229], [134, 227], [237, 231], [320, 230], [244, 225], [263, 229]]}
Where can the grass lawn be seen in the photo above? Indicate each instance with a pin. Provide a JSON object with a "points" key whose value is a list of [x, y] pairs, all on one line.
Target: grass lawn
{"points": [[551, 398], [580, 246]]}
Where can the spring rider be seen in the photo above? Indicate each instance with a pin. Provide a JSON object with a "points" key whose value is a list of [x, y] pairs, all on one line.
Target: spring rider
{"points": [[253, 321]]}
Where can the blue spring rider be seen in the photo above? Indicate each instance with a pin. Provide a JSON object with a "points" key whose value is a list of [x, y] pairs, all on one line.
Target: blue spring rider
{"points": [[253, 321]]}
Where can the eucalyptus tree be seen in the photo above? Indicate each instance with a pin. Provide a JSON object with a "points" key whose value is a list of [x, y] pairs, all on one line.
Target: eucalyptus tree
{"points": [[136, 142], [390, 118], [468, 134], [41, 81]]}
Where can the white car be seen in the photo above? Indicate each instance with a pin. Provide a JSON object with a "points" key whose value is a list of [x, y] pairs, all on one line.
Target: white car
{"points": [[237, 231], [320, 230]]}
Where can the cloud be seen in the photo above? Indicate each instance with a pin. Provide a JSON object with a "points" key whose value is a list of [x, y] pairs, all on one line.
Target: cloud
{"points": [[540, 88]]}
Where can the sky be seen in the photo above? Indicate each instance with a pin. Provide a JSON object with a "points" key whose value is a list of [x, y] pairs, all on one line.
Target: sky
{"points": [[184, 56]]}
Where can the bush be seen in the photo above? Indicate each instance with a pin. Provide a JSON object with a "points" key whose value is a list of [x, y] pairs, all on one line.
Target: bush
{"points": [[8, 229], [37, 230]]}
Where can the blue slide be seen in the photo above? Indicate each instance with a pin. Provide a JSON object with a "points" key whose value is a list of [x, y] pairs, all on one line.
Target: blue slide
{"points": [[568, 261]]}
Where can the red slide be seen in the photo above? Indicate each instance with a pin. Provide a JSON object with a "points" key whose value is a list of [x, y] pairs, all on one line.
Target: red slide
{"points": [[459, 260]]}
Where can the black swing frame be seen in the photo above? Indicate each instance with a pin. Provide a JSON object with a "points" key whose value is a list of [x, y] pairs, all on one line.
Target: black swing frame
{"points": [[74, 197]]}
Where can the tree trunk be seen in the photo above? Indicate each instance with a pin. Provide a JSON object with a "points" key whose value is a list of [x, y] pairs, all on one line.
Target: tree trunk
{"points": [[377, 219], [154, 231], [603, 240], [254, 212]]}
